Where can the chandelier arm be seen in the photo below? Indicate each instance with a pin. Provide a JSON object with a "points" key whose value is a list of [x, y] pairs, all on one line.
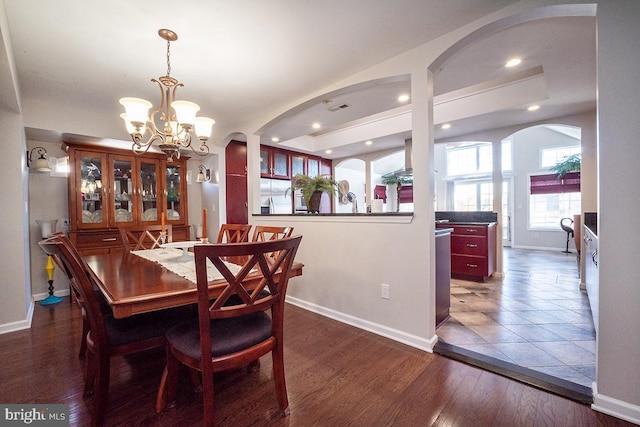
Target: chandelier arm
{"points": [[204, 149], [142, 147]]}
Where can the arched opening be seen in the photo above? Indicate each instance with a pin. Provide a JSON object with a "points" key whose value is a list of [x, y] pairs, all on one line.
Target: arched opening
{"points": [[496, 330]]}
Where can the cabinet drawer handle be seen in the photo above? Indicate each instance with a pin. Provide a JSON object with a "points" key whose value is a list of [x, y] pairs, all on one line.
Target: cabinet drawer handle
{"points": [[110, 239], [472, 230], [469, 245], [472, 265]]}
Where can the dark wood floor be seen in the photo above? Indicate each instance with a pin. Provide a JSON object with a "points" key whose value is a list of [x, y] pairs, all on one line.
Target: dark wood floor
{"points": [[337, 375]]}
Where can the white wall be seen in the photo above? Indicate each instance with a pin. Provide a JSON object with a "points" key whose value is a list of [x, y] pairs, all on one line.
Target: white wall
{"points": [[618, 206]]}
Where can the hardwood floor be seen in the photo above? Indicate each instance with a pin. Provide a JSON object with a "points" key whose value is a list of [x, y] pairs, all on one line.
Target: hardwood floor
{"points": [[337, 375]]}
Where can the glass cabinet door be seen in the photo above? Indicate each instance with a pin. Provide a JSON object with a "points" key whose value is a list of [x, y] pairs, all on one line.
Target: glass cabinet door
{"points": [[297, 165], [123, 190], [149, 170], [173, 210], [313, 167], [91, 190]]}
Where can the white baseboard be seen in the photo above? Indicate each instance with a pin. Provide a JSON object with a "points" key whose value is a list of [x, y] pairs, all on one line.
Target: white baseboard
{"points": [[394, 334], [21, 324], [614, 407]]}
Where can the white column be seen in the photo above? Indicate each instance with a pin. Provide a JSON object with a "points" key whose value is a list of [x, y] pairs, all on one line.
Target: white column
{"points": [[497, 202]]}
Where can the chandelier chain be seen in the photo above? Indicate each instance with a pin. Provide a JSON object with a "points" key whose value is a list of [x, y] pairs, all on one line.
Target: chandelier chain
{"points": [[168, 58]]}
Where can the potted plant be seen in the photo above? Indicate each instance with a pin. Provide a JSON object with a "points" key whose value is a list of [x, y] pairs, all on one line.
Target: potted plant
{"points": [[566, 165], [394, 182], [312, 189]]}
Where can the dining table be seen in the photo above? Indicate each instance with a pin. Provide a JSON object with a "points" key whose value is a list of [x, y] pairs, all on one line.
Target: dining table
{"points": [[142, 281]]}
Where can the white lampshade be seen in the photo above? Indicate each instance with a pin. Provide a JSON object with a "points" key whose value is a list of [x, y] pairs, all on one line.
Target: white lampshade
{"points": [[200, 177], [131, 129], [203, 126], [42, 165], [137, 110], [185, 112]]}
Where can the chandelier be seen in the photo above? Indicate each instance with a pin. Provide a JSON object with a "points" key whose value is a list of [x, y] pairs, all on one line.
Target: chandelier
{"points": [[173, 124]]}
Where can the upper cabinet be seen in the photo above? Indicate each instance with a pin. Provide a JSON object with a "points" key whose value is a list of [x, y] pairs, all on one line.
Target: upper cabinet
{"points": [[284, 164], [274, 163], [115, 188]]}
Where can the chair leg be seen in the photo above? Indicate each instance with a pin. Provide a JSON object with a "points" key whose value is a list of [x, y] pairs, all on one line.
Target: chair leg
{"points": [[83, 341], [279, 379], [90, 374], [168, 384], [101, 391]]}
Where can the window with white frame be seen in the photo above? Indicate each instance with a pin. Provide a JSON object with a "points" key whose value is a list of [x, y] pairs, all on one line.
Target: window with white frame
{"points": [[469, 169], [551, 156], [546, 210]]}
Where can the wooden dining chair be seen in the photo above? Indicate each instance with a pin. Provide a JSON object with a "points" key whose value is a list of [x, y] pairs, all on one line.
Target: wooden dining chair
{"points": [[107, 337], [147, 237], [262, 233], [230, 336], [234, 233]]}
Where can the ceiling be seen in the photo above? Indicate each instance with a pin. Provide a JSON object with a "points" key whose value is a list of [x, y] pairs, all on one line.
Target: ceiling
{"points": [[241, 59]]}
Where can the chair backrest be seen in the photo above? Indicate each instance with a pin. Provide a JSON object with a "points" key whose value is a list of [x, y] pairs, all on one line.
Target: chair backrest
{"points": [[258, 285], [82, 283], [234, 233], [147, 237], [263, 233]]}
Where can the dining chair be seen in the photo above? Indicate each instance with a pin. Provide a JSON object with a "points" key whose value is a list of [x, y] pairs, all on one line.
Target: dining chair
{"points": [[234, 233], [262, 233], [107, 337], [230, 336], [104, 306], [147, 237]]}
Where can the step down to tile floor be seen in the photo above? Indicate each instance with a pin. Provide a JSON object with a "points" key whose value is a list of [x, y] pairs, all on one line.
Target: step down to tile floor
{"points": [[575, 392]]}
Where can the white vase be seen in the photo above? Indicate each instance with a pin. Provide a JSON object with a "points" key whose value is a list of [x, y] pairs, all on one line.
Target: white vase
{"points": [[392, 198]]}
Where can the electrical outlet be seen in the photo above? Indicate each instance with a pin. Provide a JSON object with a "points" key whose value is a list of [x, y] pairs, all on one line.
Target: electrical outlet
{"points": [[384, 289]]}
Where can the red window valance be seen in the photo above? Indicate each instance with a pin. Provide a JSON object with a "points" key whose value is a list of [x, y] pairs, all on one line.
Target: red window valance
{"points": [[380, 192], [550, 184], [405, 195]]}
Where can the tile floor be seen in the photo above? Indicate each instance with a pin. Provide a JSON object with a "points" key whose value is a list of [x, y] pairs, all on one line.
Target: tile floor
{"points": [[535, 316]]}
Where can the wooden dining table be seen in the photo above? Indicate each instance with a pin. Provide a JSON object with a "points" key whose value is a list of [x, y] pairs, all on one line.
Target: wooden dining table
{"points": [[132, 284]]}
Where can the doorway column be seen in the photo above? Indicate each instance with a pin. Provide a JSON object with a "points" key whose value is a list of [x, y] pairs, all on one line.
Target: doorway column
{"points": [[497, 203]]}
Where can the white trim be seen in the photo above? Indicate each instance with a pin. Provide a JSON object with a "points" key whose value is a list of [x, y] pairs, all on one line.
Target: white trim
{"points": [[614, 407], [356, 218], [19, 325], [394, 334]]}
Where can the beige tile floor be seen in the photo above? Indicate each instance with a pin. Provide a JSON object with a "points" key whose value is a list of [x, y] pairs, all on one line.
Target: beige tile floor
{"points": [[535, 316]]}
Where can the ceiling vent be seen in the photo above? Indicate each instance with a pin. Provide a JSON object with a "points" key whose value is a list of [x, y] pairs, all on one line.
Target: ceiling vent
{"points": [[338, 107]]}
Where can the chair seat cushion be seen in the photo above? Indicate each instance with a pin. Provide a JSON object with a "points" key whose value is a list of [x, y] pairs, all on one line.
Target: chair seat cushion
{"points": [[227, 335], [145, 326]]}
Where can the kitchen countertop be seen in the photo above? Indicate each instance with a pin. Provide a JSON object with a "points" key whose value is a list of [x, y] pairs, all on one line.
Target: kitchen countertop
{"points": [[440, 231]]}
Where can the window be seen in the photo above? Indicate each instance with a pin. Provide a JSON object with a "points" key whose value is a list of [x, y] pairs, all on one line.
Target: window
{"points": [[550, 156], [476, 158], [546, 210], [551, 199]]}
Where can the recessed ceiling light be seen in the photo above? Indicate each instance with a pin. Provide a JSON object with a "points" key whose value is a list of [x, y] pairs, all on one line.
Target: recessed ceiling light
{"points": [[513, 62], [369, 142], [403, 98], [328, 151], [316, 125], [275, 139], [533, 108], [446, 126]]}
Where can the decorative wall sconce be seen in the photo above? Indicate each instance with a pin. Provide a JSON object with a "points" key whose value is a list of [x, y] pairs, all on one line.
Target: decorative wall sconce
{"points": [[42, 164], [204, 174]]}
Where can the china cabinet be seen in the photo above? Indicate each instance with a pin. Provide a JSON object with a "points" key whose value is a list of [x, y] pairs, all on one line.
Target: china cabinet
{"points": [[110, 188]]}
